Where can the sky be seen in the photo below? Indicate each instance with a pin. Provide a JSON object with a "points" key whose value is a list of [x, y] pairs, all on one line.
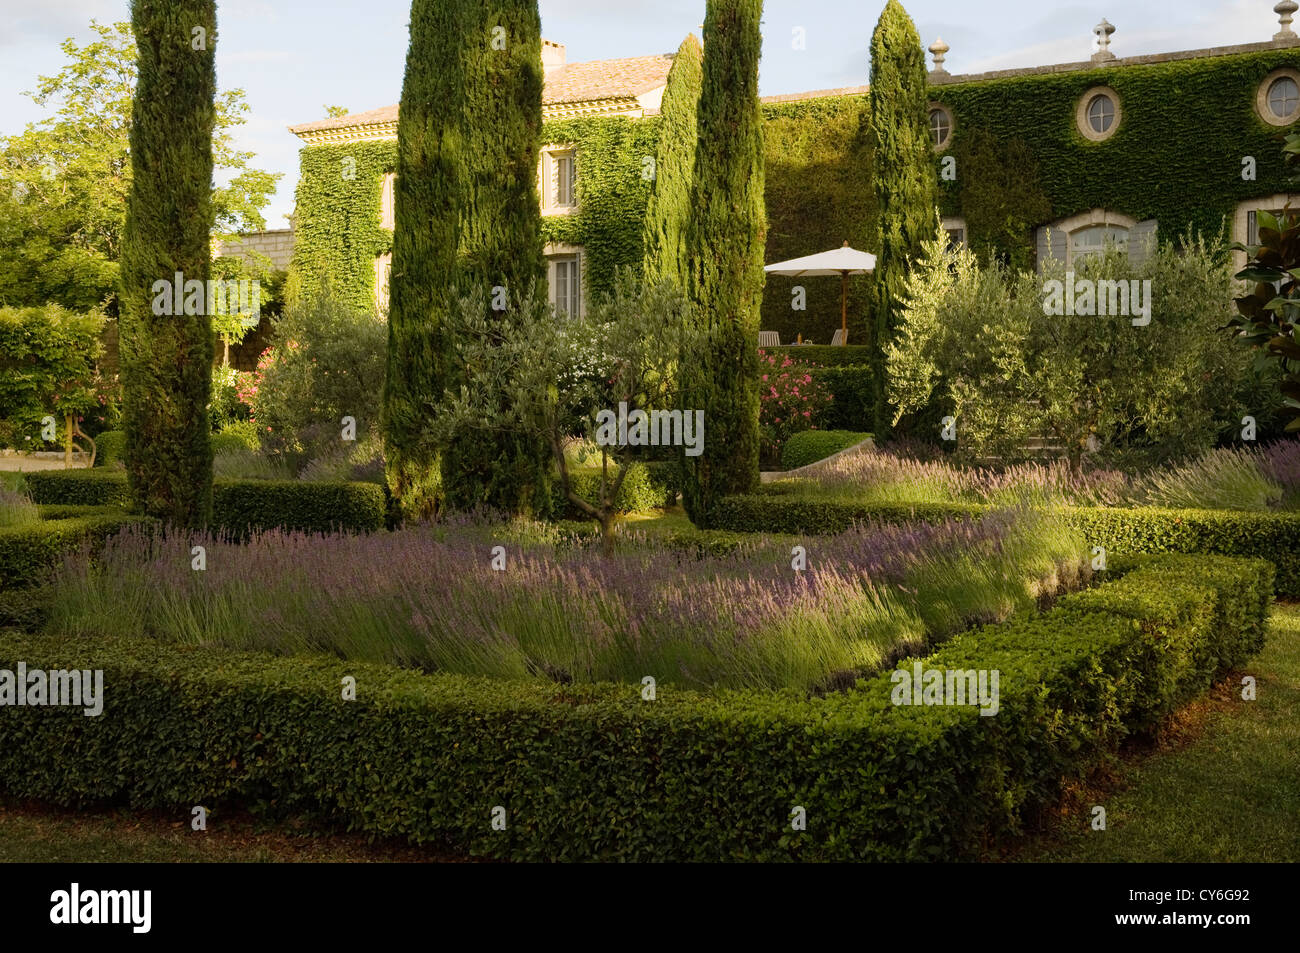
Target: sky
{"points": [[293, 57]]}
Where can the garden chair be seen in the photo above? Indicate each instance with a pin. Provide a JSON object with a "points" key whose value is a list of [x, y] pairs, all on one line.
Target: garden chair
{"points": [[769, 339], [838, 339]]}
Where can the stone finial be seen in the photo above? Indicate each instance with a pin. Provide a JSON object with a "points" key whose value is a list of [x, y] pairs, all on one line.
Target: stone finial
{"points": [[1284, 11], [1103, 30], [939, 49]]}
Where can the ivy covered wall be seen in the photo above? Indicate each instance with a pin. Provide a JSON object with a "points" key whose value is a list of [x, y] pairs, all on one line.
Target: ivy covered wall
{"points": [[1021, 162]]}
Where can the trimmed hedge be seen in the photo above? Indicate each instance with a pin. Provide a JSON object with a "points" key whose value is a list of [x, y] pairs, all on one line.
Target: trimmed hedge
{"points": [[110, 448], [27, 552], [850, 388], [238, 506], [1271, 536], [809, 446], [823, 355], [686, 777], [645, 487]]}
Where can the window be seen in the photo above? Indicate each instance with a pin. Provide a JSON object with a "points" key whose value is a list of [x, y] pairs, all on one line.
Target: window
{"points": [[1278, 99], [387, 202], [940, 126], [566, 284], [956, 230], [1101, 114], [558, 180], [564, 180], [1283, 97], [1098, 114], [1093, 240], [383, 273]]}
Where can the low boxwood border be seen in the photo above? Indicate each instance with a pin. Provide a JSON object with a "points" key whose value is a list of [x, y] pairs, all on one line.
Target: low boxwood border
{"points": [[683, 777], [1120, 530], [238, 506]]}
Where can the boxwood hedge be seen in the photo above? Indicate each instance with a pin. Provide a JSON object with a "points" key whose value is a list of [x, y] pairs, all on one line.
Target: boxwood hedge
{"points": [[26, 552], [1272, 536], [684, 777], [809, 446], [238, 506]]}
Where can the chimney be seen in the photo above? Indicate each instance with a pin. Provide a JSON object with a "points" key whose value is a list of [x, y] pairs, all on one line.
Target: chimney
{"points": [[552, 57]]}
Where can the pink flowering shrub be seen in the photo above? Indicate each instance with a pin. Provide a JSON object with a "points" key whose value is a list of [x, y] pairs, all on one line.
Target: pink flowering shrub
{"points": [[790, 400]]}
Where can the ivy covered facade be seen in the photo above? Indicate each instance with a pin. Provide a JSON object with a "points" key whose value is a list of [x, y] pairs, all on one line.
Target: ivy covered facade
{"points": [[1031, 164]]}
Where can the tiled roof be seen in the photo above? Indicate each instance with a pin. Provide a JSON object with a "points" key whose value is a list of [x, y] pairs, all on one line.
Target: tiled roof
{"points": [[574, 83]]}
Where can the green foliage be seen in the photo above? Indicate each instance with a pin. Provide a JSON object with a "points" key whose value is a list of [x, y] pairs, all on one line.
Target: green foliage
{"points": [[904, 179], [47, 367], [852, 395], [791, 400], [1226, 479], [813, 445], [327, 363], [166, 358], [668, 211], [726, 245], [239, 435], [549, 378], [1000, 197], [638, 492], [29, 551], [977, 341], [500, 244], [1074, 683], [823, 355], [63, 229], [17, 508], [239, 506], [110, 448], [337, 232]]}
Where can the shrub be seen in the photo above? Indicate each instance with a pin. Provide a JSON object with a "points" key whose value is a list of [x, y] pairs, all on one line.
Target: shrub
{"points": [[110, 448], [813, 445], [791, 400], [239, 506], [237, 435], [1226, 479], [185, 725], [327, 363], [824, 355], [227, 405], [850, 388], [28, 552], [638, 493]]}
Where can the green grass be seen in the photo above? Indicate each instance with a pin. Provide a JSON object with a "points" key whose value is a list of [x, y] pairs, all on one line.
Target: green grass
{"points": [[1232, 794]]}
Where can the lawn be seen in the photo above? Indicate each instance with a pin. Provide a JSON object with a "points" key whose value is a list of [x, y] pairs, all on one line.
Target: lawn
{"points": [[1229, 792]]}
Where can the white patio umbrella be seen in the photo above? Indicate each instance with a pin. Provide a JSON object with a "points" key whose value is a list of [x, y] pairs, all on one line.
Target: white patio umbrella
{"points": [[843, 261]]}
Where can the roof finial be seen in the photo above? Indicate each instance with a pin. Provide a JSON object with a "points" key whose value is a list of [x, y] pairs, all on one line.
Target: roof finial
{"points": [[939, 49], [1103, 30], [1284, 11]]}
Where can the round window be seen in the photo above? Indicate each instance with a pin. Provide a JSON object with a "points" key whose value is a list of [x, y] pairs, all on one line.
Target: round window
{"points": [[1101, 114], [1283, 97], [1098, 114]]}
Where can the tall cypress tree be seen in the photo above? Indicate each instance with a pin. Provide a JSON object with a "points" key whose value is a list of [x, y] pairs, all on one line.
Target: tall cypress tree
{"points": [[428, 196], [904, 179], [166, 358], [500, 241], [668, 211], [726, 236]]}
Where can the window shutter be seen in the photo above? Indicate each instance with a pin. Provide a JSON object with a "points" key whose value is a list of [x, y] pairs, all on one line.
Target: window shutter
{"points": [[1053, 245], [1142, 241]]}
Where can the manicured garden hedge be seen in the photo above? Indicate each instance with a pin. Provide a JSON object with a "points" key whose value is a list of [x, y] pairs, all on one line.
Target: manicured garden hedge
{"points": [[824, 355], [26, 552], [646, 487], [813, 445], [237, 505], [110, 448], [1271, 536], [684, 777]]}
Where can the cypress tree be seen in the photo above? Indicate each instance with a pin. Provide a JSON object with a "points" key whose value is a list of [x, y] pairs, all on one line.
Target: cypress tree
{"points": [[426, 235], [726, 235], [668, 210], [500, 242], [166, 359], [905, 184]]}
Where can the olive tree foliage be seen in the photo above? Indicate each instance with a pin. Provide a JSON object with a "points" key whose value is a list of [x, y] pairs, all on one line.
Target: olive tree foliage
{"points": [[549, 378], [976, 339]]}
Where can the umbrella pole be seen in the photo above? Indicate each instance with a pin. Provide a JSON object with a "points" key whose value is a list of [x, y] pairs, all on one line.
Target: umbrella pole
{"points": [[844, 307]]}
